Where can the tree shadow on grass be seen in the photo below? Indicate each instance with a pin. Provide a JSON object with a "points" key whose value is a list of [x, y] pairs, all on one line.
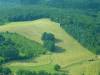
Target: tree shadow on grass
{"points": [[59, 49], [58, 40]]}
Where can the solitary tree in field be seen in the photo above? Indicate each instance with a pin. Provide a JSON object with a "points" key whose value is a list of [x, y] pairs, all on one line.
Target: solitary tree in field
{"points": [[48, 41], [48, 36]]}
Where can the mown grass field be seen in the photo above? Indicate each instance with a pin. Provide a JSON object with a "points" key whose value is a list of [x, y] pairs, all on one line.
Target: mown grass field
{"points": [[84, 68], [74, 53]]}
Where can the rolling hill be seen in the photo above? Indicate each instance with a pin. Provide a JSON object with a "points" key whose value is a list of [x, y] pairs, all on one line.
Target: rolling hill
{"points": [[74, 54]]}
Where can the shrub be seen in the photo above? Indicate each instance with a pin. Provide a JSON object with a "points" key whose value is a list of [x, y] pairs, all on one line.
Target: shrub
{"points": [[2, 60], [57, 67], [5, 71]]}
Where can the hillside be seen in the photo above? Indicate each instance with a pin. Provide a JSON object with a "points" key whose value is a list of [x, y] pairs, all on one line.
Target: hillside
{"points": [[74, 52], [18, 47]]}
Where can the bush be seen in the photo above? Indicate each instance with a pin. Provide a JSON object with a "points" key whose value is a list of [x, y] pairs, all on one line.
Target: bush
{"points": [[5, 71], [2, 60], [2, 39], [57, 67]]}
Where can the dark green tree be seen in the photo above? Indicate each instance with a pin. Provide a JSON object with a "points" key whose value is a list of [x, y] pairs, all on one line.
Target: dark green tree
{"points": [[57, 67], [48, 41], [8, 49], [5, 71], [2, 39], [48, 36]]}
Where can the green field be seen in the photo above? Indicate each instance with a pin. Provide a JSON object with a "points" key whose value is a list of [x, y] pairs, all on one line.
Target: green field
{"points": [[74, 58]]}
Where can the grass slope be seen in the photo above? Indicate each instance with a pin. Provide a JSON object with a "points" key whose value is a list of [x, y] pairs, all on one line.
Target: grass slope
{"points": [[74, 51], [88, 68]]}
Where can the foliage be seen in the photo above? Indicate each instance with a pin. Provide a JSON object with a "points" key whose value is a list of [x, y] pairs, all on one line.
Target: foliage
{"points": [[48, 36], [48, 41], [24, 72], [8, 49], [5, 71], [57, 67], [41, 72], [2, 60], [12, 48]]}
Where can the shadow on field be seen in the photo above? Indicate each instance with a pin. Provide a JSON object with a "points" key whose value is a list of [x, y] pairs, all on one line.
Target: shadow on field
{"points": [[58, 40], [59, 49]]}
